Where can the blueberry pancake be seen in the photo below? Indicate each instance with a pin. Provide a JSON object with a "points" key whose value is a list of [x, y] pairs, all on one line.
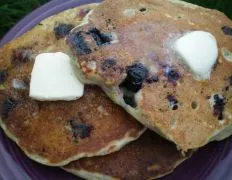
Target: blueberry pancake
{"points": [[55, 133], [167, 62], [149, 157]]}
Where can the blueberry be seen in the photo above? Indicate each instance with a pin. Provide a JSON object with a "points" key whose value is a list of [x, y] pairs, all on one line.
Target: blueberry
{"points": [[80, 130], [173, 75], [100, 38], [61, 30], [21, 55], [108, 63], [7, 106], [227, 30], [219, 106], [142, 9], [175, 107], [173, 102], [78, 42], [172, 99], [152, 79], [136, 74], [129, 98], [3, 76]]}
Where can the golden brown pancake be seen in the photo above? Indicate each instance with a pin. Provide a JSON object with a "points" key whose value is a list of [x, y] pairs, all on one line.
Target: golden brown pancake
{"points": [[55, 133], [130, 43], [149, 157]]}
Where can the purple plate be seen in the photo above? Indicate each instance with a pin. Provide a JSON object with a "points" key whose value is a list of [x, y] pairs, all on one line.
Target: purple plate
{"points": [[212, 162]]}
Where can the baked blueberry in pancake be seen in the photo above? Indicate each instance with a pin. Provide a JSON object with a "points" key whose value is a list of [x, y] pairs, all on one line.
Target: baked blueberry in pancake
{"points": [[167, 62], [57, 132]]}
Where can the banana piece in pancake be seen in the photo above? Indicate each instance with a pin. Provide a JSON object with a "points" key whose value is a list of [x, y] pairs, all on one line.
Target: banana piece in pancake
{"points": [[149, 157], [55, 133], [132, 46]]}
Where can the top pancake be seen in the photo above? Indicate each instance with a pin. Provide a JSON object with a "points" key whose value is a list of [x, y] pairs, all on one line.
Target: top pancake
{"points": [[55, 133], [124, 37]]}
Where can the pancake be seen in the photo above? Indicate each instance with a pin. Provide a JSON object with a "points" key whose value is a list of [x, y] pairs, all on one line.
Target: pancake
{"points": [[55, 133], [130, 43], [149, 157]]}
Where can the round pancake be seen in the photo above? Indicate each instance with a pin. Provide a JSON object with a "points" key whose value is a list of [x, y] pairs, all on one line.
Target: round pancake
{"points": [[55, 133], [129, 39], [149, 157]]}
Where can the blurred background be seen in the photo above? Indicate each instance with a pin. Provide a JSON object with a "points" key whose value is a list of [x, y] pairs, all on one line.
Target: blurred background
{"points": [[11, 11]]}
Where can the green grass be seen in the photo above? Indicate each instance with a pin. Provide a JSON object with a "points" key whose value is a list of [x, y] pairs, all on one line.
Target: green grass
{"points": [[12, 11], [221, 5]]}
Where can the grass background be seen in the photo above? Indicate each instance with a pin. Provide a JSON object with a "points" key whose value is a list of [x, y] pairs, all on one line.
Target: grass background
{"points": [[12, 11]]}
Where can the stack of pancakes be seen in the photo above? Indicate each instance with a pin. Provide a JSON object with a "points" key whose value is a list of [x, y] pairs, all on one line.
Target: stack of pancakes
{"points": [[110, 133]]}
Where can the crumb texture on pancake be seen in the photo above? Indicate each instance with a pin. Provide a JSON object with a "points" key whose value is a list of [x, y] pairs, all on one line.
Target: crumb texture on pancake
{"points": [[55, 133], [146, 32], [149, 157]]}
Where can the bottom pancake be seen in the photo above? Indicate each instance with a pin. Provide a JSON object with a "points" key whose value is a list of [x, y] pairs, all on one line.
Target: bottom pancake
{"points": [[148, 157], [55, 133]]}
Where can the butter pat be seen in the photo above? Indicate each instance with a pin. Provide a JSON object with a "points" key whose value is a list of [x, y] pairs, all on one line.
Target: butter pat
{"points": [[199, 51], [53, 78]]}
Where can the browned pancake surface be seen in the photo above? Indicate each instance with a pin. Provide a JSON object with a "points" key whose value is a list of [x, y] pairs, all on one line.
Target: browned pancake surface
{"points": [[126, 36], [55, 133], [146, 158]]}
